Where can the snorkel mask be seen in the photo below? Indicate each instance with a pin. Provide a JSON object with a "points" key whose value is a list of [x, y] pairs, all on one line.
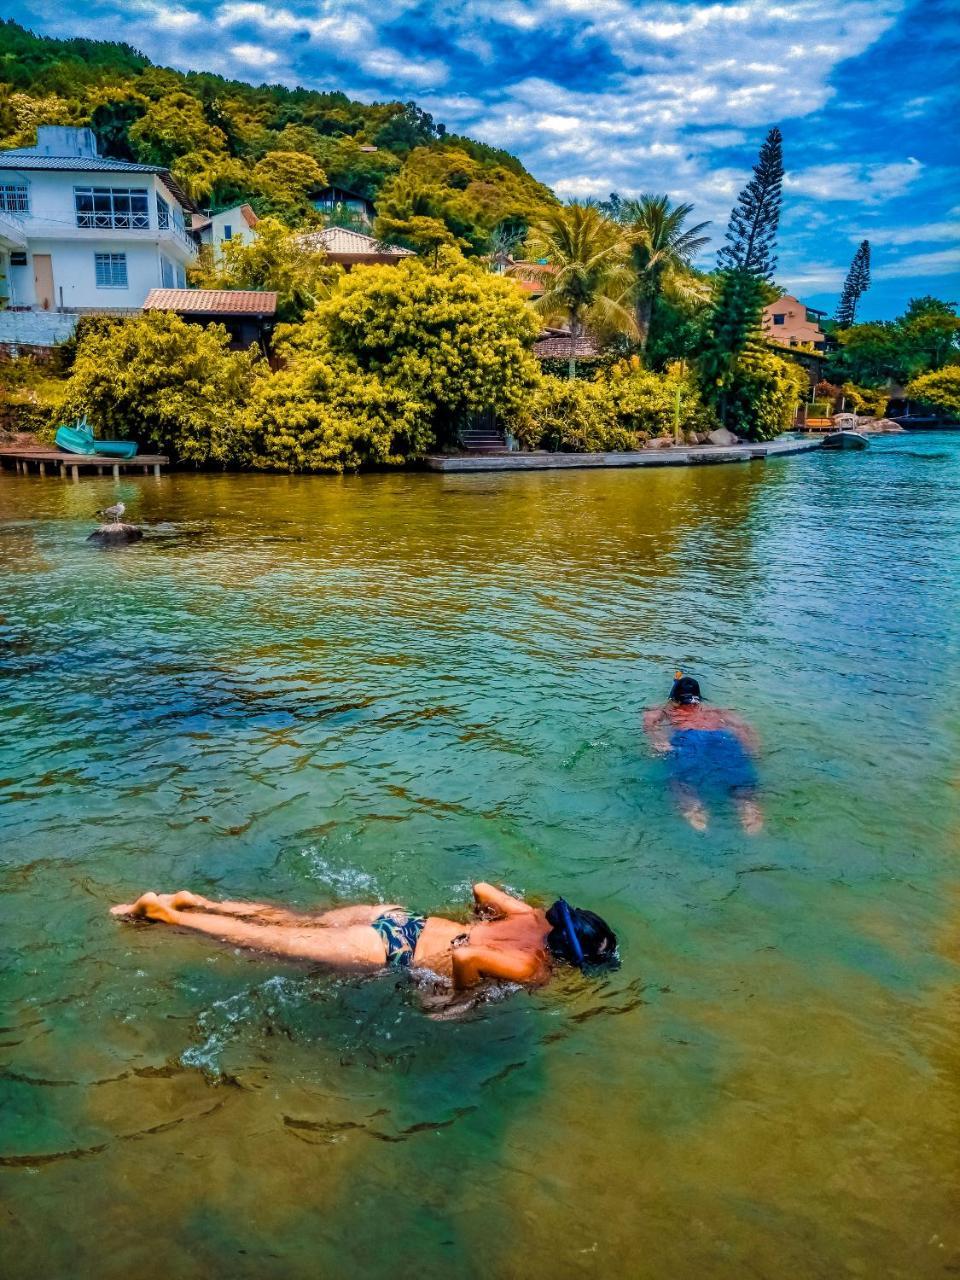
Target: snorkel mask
{"points": [[685, 690]]}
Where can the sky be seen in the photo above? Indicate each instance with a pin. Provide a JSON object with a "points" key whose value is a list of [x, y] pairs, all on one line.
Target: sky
{"points": [[597, 96]]}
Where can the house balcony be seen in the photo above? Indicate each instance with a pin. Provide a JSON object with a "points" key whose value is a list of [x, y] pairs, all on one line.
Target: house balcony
{"points": [[114, 228], [12, 235]]}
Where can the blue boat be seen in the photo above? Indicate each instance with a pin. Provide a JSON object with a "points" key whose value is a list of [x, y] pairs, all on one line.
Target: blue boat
{"points": [[79, 439]]}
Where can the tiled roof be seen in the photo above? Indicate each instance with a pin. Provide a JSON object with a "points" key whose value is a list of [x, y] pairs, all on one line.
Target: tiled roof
{"points": [[557, 347], [213, 302], [343, 240], [25, 158]]}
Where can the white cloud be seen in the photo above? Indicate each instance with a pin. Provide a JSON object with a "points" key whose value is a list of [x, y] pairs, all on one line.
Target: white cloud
{"points": [[865, 183], [939, 262], [254, 55], [915, 233]]}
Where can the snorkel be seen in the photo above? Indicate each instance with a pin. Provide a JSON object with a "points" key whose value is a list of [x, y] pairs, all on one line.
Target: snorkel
{"points": [[570, 932]]}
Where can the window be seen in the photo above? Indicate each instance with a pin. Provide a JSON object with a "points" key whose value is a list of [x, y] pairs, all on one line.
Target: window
{"points": [[116, 208], [227, 231], [166, 272], [779, 319], [111, 270], [14, 197], [163, 213], [181, 277]]}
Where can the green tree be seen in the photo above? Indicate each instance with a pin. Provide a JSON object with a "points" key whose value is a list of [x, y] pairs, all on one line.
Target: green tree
{"points": [[212, 178], [855, 285], [407, 128], [455, 338], [172, 126], [285, 179], [166, 383], [938, 390], [752, 232], [662, 250], [583, 273], [275, 259], [419, 217], [732, 325]]}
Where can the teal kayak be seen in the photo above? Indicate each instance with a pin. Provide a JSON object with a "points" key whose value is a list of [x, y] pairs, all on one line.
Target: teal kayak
{"points": [[79, 439]]}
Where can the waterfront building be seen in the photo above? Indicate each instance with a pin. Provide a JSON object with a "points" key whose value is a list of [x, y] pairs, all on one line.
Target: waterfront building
{"points": [[81, 232]]}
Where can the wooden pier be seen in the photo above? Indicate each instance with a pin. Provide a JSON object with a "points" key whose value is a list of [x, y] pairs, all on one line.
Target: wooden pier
{"points": [[683, 455], [57, 462]]}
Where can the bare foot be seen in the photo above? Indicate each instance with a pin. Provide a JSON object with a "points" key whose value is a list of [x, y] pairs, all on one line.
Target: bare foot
{"points": [[751, 819], [696, 815], [149, 906]]}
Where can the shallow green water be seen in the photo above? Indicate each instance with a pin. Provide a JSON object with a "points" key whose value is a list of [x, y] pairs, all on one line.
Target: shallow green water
{"points": [[318, 690]]}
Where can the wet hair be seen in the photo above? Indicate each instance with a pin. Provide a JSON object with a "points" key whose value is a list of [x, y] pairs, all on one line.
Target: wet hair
{"points": [[580, 937], [685, 690]]}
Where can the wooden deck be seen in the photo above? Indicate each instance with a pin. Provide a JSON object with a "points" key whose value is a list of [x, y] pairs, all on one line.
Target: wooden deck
{"points": [[685, 455], [56, 462]]}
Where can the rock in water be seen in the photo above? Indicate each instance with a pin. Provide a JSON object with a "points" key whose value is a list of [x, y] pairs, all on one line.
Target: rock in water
{"points": [[116, 535], [723, 437]]}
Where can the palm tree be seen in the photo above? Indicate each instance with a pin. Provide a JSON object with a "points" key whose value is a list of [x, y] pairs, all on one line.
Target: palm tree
{"points": [[661, 253], [582, 268]]}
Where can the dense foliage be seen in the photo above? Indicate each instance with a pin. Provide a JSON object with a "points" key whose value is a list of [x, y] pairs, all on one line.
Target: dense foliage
{"points": [[925, 338], [164, 382], [618, 411], [454, 337], [939, 391]]}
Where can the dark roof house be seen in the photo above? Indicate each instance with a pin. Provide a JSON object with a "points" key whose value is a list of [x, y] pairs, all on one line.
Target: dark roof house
{"points": [[247, 314]]}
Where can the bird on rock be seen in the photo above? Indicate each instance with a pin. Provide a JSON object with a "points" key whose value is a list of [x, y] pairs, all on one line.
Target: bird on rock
{"points": [[114, 513]]}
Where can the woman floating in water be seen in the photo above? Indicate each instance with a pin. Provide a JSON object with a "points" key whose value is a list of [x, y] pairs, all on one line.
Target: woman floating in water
{"points": [[709, 753], [515, 941]]}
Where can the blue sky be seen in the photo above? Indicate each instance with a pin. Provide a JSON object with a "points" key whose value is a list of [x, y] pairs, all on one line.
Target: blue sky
{"points": [[601, 95]]}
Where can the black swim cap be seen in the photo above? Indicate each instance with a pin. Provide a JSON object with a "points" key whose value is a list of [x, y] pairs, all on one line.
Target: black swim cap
{"points": [[579, 937], [685, 690]]}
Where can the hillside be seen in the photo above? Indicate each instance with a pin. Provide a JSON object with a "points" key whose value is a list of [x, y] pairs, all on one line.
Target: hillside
{"points": [[226, 141]]}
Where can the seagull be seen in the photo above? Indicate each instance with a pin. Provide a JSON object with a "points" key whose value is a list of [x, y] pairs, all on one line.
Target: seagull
{"points": [[115, 512]]}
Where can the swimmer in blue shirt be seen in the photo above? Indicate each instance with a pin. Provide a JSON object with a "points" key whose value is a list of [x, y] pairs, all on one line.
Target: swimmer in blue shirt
{"points": [[710, 753]]}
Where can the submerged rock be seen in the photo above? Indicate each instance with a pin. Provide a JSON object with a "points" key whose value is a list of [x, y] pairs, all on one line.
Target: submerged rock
{"points": [[116, 535]]}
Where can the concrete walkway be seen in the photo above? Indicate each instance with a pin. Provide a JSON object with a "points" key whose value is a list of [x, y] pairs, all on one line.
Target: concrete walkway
{"points": [[686, 455]]}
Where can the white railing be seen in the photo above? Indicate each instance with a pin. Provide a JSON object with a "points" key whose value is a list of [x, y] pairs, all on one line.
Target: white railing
{"points": [[114, 221]]}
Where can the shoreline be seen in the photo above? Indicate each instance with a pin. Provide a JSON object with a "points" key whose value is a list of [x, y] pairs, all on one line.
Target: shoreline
{"points": [[678, 456]]}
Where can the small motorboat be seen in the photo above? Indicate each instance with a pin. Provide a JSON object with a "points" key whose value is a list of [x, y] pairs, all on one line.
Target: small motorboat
{"points": [[79, 439], [845, 440]]}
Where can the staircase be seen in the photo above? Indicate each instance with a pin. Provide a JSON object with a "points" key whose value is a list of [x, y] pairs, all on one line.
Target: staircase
{"points": [[483, 435]]}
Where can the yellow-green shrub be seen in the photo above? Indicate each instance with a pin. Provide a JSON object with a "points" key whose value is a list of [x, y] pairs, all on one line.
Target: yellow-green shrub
{"points": [[166, 383], [320, 415]]}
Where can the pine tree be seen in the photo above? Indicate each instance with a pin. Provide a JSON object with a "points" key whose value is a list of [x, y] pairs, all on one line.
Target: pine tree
{"points": [[752, 232], [856, 284]]}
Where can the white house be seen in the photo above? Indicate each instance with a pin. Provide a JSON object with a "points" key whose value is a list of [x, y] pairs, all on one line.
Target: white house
{"points": [[83, 232], [236, 223]]}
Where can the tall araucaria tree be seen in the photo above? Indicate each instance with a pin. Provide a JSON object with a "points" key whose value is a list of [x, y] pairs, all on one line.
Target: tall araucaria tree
{"points": [[582, 269], [855, 285], [752, 232]]}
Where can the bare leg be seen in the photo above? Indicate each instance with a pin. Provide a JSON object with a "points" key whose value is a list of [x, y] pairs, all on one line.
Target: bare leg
{"points": [[690, 806], [264, 912], [349, 947], [751, 817]]}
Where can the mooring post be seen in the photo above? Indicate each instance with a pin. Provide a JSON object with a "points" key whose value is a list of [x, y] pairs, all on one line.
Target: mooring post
{"points": [[43, 468], [63, 471], [76, 474], [116, 471], [156, 470]]}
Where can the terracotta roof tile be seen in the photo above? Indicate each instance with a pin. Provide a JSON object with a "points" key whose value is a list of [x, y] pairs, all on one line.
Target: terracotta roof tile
{"points": [[557, 347], [213, 302], [343, 240]]}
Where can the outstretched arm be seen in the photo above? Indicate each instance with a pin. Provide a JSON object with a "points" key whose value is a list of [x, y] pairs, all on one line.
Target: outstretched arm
{"points": [[500, 903], [655, 726], [470, 964]]}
